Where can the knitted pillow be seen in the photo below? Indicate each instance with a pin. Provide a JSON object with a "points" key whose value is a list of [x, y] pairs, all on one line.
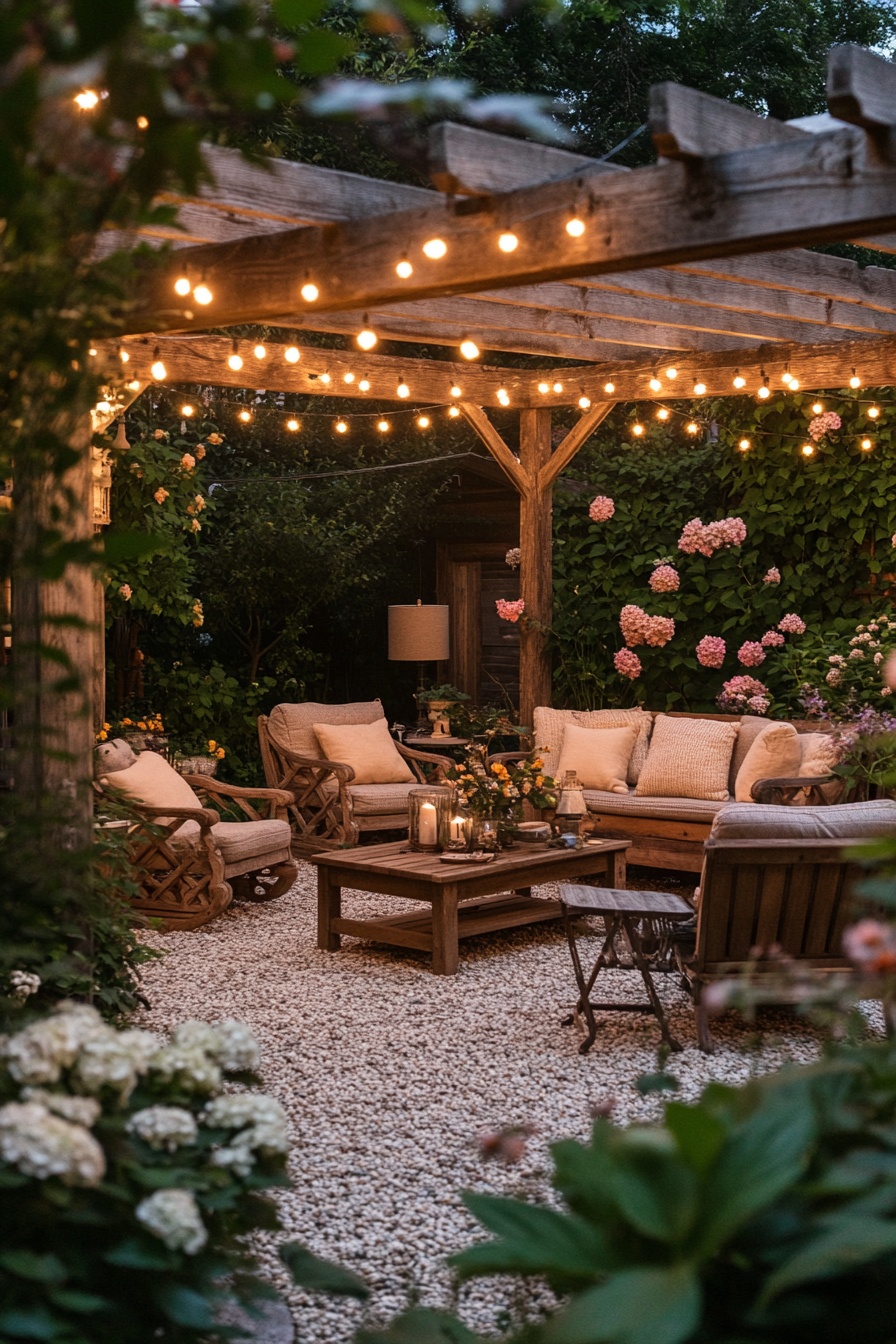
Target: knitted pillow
{"points": [[688, 758]]}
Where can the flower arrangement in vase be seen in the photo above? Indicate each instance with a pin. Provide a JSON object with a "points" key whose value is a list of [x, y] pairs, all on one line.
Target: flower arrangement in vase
{"points": [[495, 790]]}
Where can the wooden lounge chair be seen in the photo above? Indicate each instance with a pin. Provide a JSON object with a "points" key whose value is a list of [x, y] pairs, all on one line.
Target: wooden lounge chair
{"points": [[778, 877], [330, 809]]}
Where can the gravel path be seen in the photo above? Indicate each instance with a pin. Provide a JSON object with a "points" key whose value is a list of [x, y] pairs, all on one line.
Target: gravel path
{"points": [[391, 1074]]}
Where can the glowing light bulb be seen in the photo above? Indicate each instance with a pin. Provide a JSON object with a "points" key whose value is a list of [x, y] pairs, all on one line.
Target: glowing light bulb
{"points": [[794, 384], [291, 355], [123, 356], [637, 429], [873, 412], [402, 390], [508, 242], [739, 380], [699, 389], [609, 387], [558, 388], [744, 445], [584, 402], [383, 426], [692, 427], [866, 445], [158, 370], [404, 270], [469, 349], [309, 292], [855, 381], [202, 294], [92, 352], [260, 352], [807, 449], [453, 412], [503, 397], [341, 427], [235, 362], [245, 416], [544, 388], [87, 99], [764, 392], [662, 414], [672, 373], [575, 227], [364, 385], [143, 123], [366, 338], [348, 377], [655, 384], [817, 408], [103, 406], [134, 385], [435, 248], [455, 391], [423, 422], [786, 376], [325, 378], [182, 286], [187, 410], [292, 426]]}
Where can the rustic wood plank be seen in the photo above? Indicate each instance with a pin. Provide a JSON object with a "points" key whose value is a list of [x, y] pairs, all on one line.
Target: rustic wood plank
{"points": [[687, 124], [509, 464], [575, 439], [536, 563], [828, 888], [387, 931], [813, 189], [463, 160], [861, 88]]}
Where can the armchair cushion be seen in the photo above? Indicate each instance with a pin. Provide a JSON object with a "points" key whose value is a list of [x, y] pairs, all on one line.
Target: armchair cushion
{"points": [[598, 755], [380, 800], [367, 748], [775, 754], [153, 782], [842, 821], [242, 840], [293, 725]]}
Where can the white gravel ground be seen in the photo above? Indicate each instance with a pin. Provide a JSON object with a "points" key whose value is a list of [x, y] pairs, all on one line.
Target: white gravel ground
{"points": [[391, 1074]]}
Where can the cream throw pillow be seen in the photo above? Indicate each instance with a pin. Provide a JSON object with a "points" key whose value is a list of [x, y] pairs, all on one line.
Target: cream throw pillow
{"points": [[775, 754], [549, 725], [367, 748], [151, 780], [819, 753], [688, 758], [599, 756]]}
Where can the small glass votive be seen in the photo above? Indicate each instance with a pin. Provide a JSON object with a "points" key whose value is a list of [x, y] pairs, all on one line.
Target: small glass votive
{"points": [[460, 831], [428, 813]]}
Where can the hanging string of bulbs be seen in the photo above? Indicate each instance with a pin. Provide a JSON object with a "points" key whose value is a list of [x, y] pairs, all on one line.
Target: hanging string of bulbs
{"points": [[808, 446], [423, 416]]}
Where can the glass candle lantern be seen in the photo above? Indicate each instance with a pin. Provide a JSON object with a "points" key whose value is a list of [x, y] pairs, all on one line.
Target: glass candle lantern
{"points": [[571, 806], [460, 829], [429, 811]]}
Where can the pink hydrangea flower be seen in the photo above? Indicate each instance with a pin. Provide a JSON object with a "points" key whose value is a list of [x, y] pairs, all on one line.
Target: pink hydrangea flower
{"points": [[823, 424], [742, 694], [188, 461], [871, 945], [751, 653], [628, 664], [160, 495], [707, 538], [126, 591], [758, 704], [692, 538], [792, 624], [664, 579], [601, 509], [772, 575], [634, 624], [510, 611], [771, 640], [711, 651], [659, 630]]}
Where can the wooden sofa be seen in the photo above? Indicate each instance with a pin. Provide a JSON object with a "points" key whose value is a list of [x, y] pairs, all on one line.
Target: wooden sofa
{"points": [[671, 832]]}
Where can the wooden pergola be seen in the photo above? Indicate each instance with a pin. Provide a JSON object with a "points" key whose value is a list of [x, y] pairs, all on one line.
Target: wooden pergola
{"points": [[668, 281]]}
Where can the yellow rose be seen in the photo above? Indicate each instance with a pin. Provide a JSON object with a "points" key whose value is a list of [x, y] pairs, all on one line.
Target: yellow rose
{"points": [[220, 753], [212, 744], [101, 737]]}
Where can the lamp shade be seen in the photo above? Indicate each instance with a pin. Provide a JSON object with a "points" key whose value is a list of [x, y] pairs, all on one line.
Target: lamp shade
{"points": [[418, 634]]}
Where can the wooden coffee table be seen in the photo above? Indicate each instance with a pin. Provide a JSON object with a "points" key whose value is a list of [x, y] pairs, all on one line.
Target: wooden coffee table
{"points": [[465, 899]]}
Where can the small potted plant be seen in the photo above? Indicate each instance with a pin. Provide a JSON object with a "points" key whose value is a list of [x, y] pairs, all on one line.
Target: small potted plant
{"points": [[195, 756], [438, 701]]}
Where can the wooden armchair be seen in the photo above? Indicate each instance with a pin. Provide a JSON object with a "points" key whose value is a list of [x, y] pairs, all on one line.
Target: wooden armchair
{"points": [[328, 808], [191, 857]]}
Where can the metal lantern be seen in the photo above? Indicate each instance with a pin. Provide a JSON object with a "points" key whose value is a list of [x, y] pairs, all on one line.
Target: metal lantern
{"points": [[571, 806], [429, 812]]}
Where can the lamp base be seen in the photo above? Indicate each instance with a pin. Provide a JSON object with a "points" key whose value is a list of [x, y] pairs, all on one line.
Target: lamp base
{"points": [[423, 724]]}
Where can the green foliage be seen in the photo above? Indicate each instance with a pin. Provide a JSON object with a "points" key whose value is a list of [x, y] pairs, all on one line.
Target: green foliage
{"points": [[763, 1213], [825, 522], [205, 704]]}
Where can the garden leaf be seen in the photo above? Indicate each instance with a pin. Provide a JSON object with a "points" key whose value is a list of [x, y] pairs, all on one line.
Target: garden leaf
{"points": [[637, 1306], [324, 1276], [184, 1306], [849, 1242], [420, 1326], [533, 1238]]}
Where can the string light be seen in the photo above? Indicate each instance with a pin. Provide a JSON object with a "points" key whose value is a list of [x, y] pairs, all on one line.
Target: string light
{"points": [[235, 359], [143, 123], [817, 408], [502, 396], [182, 286], [637, 429], [134, 385], [744, 445], [455, 391], [866, 445], [609, 388], [348, 377], [739, 380], [544, 388], [187, 410], [260, 352], [364, 385], [786, 376], [655, 385], [764, 392], [293, 426], [383, 426], [699, 389], [404, 270], [468, 348], [575, 227], [158, 370], [855, 381], [662, 414], [103, 406], [584, 402], [291, 354], [508, 242], [123, 355], [435, 248], [423, 422], [87, 99], [794, 384], [245, 417], [366, 338], [693, 427], [807, 449], [873, 412], [341, 427], [202, 294], [558, 388], [309, 292], [671, 373], [403, 390], [454, 412], [92, 351]]}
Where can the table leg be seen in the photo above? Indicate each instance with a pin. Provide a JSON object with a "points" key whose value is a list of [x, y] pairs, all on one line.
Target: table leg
{"points": [[444, 931], [329, 907], [643, 965], [616, 877]]}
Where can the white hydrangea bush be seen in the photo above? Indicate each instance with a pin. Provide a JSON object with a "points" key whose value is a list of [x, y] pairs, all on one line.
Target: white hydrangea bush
{"points": [[131, 1167]]}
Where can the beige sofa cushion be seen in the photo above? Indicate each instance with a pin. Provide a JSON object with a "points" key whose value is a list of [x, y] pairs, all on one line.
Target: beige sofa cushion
{"points": [[152, 781], [293, 725], [628, 804], [367, 748], [748, 729], [775, 754], [843, 821], [548, 726], [599, 756], [688, 758]]}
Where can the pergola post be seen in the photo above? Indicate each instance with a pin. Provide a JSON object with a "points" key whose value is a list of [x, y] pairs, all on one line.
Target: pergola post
{"points": [[536, 562]]}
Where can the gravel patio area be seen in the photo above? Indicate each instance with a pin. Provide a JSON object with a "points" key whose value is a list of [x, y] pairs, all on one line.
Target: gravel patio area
{"points": [[391, 1075]]}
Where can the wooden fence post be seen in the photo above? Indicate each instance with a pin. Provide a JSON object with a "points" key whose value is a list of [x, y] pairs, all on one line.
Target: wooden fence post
{"points": [[536, 562]]}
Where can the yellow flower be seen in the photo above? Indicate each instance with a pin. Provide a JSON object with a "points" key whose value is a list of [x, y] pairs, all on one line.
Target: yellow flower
{"points": [[538, 763], [127, 723], [220, 753], [212, 744], [539, 781], [101, 737], [106, 727], [143, 725]]}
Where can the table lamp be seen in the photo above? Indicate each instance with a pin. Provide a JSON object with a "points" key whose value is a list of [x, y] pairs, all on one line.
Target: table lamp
{"points": [[418, 634]]}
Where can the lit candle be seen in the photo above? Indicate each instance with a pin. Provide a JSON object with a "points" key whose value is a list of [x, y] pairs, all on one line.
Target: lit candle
{"points": [[427, 830], [457, 829]]}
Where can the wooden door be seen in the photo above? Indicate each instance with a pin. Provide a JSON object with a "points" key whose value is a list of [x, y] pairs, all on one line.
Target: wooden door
{"points": [[485, 658]]}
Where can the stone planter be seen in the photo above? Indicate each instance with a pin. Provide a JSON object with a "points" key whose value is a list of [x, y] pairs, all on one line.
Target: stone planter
{"points": [[195, 765]]}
